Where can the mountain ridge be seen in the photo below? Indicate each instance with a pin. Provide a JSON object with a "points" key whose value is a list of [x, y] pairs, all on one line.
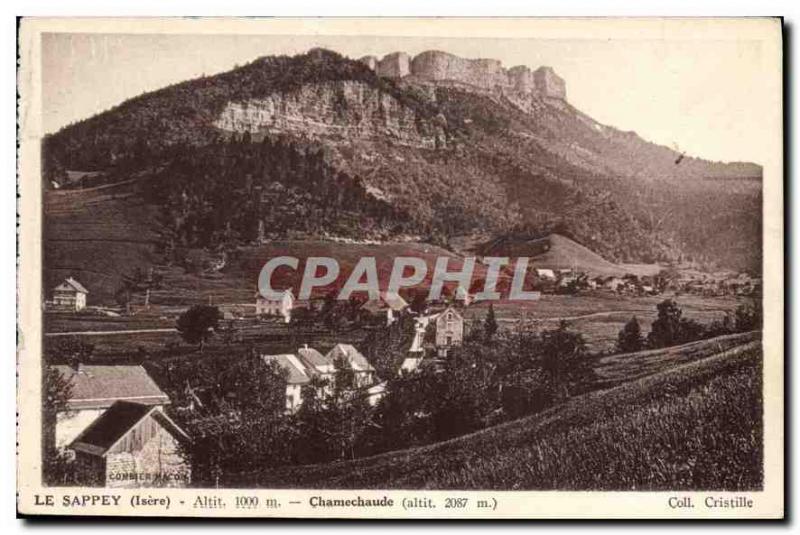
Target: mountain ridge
{"points": [[431, 158]]}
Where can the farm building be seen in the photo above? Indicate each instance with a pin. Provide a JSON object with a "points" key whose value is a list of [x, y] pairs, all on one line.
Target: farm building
{"points": [[281, 307], [132, 445], [70, 295], [94, 389], [390, 305], [546, 274]]}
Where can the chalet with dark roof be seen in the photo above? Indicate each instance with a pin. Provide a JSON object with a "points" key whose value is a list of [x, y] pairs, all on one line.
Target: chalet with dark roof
{"points": [[132, 445]]}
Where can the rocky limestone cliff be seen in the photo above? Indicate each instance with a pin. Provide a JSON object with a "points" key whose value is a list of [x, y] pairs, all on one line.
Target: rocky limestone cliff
{"points": [[487, 74], [342, 109]]}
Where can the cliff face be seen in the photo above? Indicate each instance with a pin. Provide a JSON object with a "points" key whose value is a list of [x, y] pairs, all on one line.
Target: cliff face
{"points": [[345, 109], [487, 74], [484, 73]]}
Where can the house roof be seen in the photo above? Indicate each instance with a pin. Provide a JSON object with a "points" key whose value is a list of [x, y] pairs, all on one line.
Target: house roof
{"points": [[353, 356], [387, 300], [374, 305], [283, 294], [296, 370], [447, 310], [394, 301], [98, 387], [314, 358], [71, 284], [116, 422], [410, 364]]}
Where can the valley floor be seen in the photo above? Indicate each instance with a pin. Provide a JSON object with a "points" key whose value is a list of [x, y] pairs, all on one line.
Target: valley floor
{"points": [[599, 317]]}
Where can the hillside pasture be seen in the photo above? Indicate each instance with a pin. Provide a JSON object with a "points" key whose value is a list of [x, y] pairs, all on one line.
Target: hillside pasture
{"points": [[598, 315]]}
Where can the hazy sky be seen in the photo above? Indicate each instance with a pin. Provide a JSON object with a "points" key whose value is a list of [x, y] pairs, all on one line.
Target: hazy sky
{"points": [[704, 97]]}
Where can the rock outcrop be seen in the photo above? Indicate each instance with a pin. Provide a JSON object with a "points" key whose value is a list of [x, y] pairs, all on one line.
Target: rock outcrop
{"points": [[343, 109], [396, 65], [486, 74]]}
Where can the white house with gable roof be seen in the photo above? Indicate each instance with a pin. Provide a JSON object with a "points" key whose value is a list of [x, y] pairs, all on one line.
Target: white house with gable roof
{"points": [[280, 307], [70, 295]]}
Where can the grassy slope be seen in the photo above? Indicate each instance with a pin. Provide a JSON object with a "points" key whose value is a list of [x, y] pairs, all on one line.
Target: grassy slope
{"points": [[568, 254], [616, 369], [697, 426], [96, 235]]}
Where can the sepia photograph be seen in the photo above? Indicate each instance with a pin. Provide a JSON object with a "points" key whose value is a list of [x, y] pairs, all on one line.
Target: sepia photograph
{"points": [[488, 257]]}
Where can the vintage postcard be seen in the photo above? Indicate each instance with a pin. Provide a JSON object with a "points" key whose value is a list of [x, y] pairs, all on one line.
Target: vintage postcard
{"points": [[401, 268]]}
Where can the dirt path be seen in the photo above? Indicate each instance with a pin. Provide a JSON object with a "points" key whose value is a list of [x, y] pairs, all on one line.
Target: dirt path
{"points": [[103, 333]]}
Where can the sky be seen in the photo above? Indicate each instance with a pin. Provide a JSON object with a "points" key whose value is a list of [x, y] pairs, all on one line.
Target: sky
{"points": [[704, 97]]}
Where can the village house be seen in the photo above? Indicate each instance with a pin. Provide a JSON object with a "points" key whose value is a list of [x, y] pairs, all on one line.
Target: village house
{"points": [[390, 306], [132, 445], [449, 330], [70, 295], [309, 363], [94, 389], [297, 376], [614, 284], [363, 370], [281, 307], [437, 332]]}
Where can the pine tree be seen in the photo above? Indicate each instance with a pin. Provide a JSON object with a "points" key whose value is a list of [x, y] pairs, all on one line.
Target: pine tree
{"points": [[630, 337]]}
